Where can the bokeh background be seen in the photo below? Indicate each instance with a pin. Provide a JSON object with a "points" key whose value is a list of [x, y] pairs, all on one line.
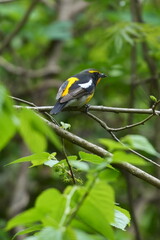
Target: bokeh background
{"points": [[42, 43]]}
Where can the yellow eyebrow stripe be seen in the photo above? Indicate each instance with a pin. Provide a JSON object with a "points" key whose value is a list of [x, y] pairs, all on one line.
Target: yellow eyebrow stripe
{"points": [[92, 71], [70, 82]]}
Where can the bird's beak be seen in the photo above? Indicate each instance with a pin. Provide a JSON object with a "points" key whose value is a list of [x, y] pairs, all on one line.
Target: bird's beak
{"points": [[102, 75]]}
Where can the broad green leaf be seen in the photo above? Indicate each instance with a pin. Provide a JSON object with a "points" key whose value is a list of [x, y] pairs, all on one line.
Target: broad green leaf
{"points": [[32, 229], [122, 218], [8, 129], [140, 143], [35, 131], [88, 157], [120, 156], [31, 238], [51, 163], [31, 133], [111, 144], [35, 159], [49, 233], [109, 174], [69, 234], [85, 236], [99, 203], [51, 160], [52, 203], [23, 219], [8, 119], [80, 165]]}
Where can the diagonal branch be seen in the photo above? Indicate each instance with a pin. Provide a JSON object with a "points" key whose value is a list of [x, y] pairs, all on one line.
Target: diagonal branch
{"points": [[103, 153]]}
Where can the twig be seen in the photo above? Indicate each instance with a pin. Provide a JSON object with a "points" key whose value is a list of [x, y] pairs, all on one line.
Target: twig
{"points": [[6, 1], [104, 125], [24, 101], [19, 71], [67, 160], [19, 26], [98, 109], [82, 199]]}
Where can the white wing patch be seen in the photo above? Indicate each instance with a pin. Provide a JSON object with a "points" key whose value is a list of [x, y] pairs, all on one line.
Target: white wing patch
{"points": [[86, 85]]}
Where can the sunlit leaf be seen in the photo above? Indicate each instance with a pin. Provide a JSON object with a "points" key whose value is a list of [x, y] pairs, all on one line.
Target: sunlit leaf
{"points": [[121, 156], [32, 229], [140, 143], [88, 157], [112, 144], [122, 218], [100, 201], [23, 219], [35, 159]]}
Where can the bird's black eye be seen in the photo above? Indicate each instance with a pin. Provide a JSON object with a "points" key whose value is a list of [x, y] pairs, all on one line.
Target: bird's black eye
{"points": [[102, 75]]}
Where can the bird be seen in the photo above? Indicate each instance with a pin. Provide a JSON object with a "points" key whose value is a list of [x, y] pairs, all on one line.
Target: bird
{"points": [[77, 90]]}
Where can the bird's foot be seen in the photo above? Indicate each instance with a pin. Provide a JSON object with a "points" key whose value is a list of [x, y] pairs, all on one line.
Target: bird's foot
{"points": [[85, 108]]}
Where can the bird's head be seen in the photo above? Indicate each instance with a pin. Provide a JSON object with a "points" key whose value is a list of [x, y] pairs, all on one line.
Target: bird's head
{"points": [[95, 74]]}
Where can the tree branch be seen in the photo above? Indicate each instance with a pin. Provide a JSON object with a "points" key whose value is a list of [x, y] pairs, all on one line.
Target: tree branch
{"points": [[19, 71], [103, 153], [6, 1], [97, 108]]}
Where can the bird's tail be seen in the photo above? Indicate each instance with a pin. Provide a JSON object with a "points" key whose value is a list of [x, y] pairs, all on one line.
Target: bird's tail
{"points": [[57, 108]]}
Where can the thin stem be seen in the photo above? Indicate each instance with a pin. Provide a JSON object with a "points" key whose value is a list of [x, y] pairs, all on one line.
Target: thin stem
{"points": [[82, 199], [104, 125], [67, 160]]}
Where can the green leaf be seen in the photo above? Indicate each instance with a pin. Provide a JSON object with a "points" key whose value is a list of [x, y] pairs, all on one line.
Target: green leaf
{"points": [[85, 236], [98, 209], [109, 174], [52, 204], [49, 233], [24, 218], [51, 160], [65, 125], [111, 144], [35, 131], [32, 229], [35, 159], [140, 143], [88, 157], [80, 165], [8, 129], [122, 218], [30, 132], [120, 156], [8, 119], [153, 98]]}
